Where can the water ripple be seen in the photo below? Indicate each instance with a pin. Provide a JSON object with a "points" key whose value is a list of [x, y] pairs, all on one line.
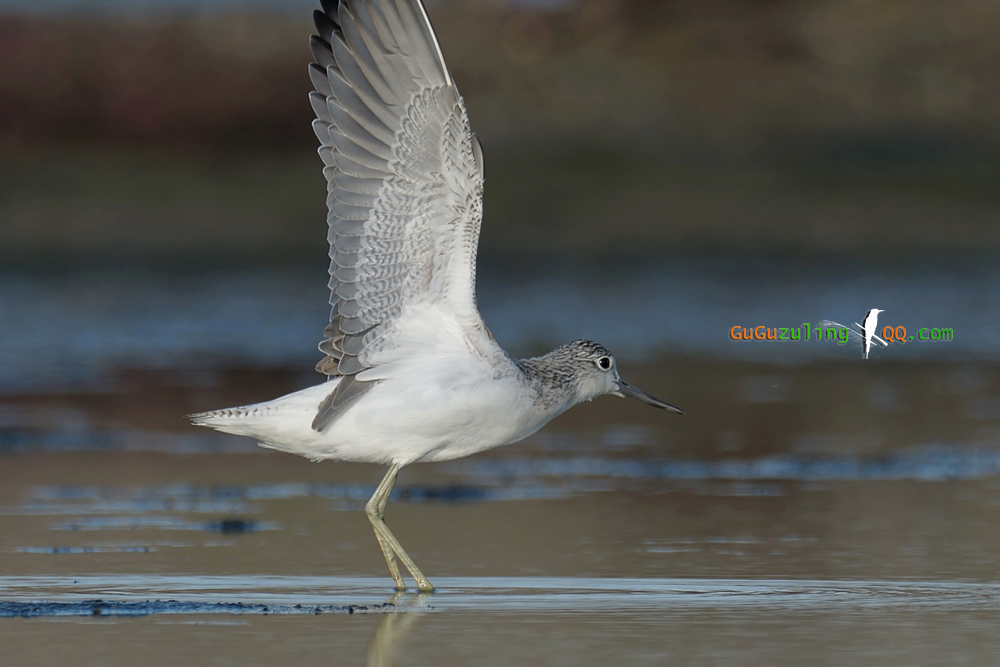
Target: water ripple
{"points": [[922, 463], [142, 595]]}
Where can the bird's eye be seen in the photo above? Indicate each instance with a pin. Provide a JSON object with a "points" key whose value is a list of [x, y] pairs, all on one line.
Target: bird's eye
{"points": [[604, 363]]}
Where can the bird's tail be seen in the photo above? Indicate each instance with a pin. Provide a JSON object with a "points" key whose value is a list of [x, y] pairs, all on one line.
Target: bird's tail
{"points": [[244, 420]]}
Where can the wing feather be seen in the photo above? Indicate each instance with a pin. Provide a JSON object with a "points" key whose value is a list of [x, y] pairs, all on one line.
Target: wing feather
{"points": [[348, 392], [326, 20], [405, 179]]}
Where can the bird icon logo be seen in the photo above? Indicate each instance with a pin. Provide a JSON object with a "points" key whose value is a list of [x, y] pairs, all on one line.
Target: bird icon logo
{"points": [[863, 333], [868, 331]]}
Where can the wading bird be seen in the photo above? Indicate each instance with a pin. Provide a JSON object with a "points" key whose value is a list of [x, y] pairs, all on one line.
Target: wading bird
{"points": [[414, 374]]}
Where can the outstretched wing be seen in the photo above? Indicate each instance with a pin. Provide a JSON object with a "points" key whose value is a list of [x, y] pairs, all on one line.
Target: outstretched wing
{"points": [[405, 179]]}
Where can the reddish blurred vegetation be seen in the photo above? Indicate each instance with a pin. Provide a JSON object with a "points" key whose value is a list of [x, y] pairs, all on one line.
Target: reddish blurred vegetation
{"points": [[609, 125], [221, 81], [715, 66]]}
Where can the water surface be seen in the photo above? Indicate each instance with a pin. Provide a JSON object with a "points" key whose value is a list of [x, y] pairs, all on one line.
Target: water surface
{"points": [[810, 506]]}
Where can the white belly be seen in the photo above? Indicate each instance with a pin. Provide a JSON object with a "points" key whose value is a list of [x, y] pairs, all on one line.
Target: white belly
{"points": [[399, 420]]}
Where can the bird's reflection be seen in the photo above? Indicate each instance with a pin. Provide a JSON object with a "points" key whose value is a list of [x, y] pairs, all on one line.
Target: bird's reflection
{"points": [[395, 627]]}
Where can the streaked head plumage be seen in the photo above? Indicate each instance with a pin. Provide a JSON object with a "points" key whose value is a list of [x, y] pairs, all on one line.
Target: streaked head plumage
{"points": [[585, 370]]}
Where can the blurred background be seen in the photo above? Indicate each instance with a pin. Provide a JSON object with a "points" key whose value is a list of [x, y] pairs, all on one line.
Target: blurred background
{"points": [[177, 131], [657, 172]]}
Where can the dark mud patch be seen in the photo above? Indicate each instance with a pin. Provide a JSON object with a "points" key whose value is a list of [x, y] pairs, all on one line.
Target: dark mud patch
{"points": [[150, 607]]}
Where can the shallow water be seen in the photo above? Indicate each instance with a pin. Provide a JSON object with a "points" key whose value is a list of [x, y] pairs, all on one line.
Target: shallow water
{"points": [[547, 620], [816, 525], [809, 507]]}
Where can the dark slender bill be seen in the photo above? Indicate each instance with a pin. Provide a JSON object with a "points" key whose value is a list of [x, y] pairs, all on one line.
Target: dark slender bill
{"points": [[638, 394]]}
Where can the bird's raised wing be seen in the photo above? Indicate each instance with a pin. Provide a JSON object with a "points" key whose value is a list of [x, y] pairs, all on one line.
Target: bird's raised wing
{"points": [[405, 178]]}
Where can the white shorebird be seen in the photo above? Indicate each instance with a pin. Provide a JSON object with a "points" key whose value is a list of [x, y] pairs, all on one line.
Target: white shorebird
{"points": [[868, 329], [414, 374]]}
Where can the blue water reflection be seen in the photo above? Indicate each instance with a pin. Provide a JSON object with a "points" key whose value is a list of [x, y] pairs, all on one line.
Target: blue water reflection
{"points": [[73, 329]]}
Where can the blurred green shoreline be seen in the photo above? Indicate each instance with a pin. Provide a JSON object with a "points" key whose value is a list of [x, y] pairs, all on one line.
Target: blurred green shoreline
{"points": [[582, 201]]}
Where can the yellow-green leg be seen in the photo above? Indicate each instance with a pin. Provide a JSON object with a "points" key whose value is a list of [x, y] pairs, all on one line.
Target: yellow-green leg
{"points": [[391, 548]]}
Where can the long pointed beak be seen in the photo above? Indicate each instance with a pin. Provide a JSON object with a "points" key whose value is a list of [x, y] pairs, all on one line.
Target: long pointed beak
{"points": [[625, 389]]}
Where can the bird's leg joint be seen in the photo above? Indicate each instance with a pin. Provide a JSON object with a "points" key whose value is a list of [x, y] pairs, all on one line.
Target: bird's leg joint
{"points": [[372, 510]]}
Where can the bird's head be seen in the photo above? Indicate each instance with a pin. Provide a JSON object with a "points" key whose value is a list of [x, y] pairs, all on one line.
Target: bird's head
{"points": [[596, 374]]}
